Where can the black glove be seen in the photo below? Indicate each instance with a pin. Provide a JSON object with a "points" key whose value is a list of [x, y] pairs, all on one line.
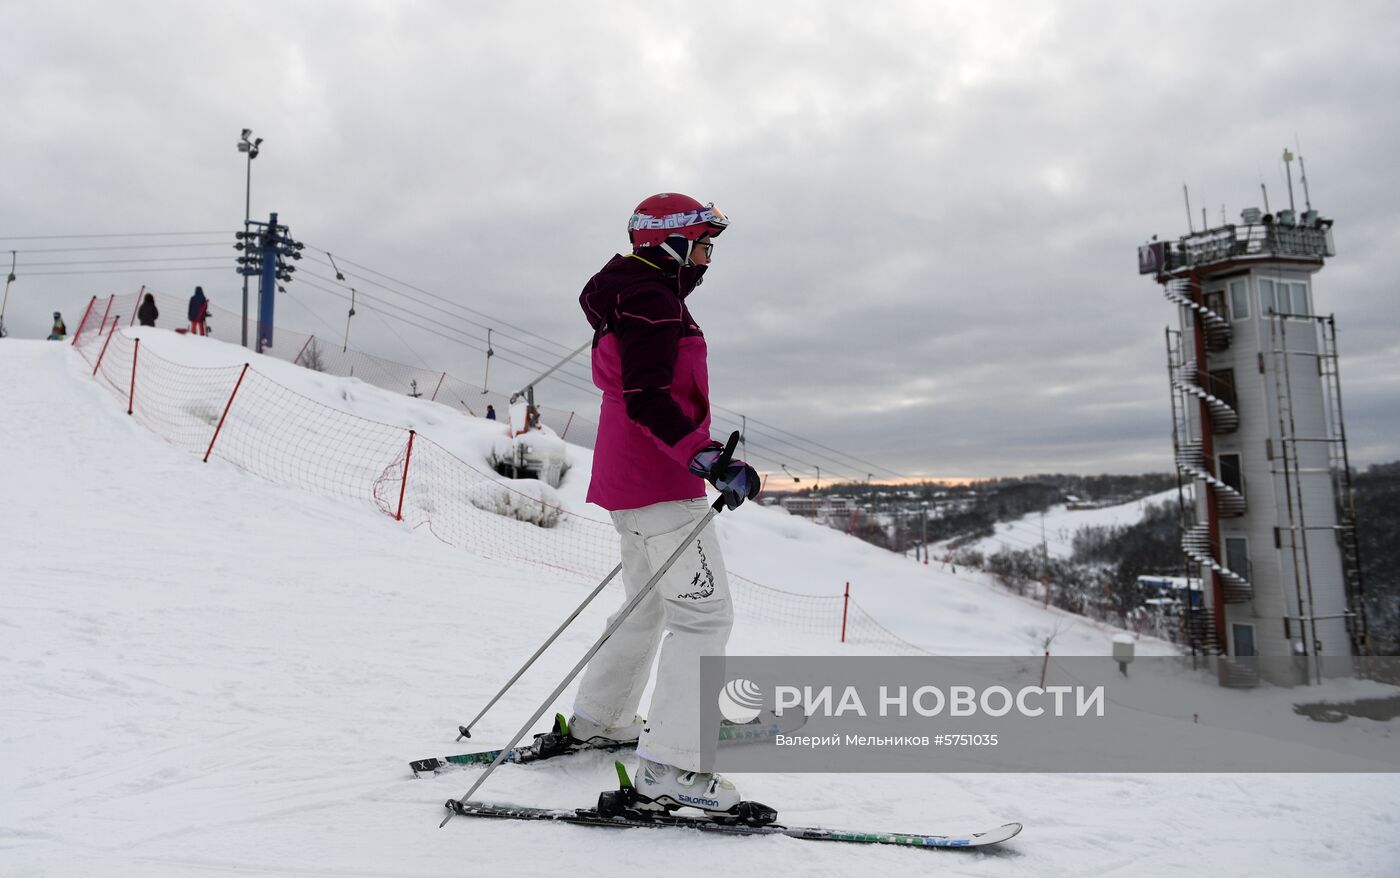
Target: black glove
{"points": [[736, 480]]}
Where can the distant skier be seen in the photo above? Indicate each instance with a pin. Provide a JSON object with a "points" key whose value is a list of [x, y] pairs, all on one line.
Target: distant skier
{"points": [[490, 412], [199, 312], [60, 330], [650, 463], [147, 313]]}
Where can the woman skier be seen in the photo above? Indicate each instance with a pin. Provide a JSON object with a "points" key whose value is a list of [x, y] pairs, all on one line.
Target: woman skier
{"points": [[650, 464]]}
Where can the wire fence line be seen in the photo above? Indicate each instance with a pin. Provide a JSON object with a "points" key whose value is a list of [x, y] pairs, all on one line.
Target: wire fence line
{"points": [[242, 416]]}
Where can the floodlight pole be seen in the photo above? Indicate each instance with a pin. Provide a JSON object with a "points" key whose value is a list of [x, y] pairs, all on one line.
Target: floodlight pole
{"points": [[247, 217], [250, 148]]}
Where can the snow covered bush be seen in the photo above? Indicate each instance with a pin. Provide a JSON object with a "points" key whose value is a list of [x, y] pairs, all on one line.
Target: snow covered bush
{"points": [[522, 499]]}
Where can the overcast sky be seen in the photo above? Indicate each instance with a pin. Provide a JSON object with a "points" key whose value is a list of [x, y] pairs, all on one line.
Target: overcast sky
{"points": [[935, 206]]}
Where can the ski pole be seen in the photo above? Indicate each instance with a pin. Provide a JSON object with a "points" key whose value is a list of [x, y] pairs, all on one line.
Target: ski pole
{"points": [[466, 730], [715, 509]]}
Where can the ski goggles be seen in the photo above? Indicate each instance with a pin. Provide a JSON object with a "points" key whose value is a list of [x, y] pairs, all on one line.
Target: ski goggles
{"points": [[708, 215]]}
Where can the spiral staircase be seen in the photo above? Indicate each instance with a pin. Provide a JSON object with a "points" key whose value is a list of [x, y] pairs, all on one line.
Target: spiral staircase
{"points": [[1191, 460], [1190, 381], [1217, 328]]}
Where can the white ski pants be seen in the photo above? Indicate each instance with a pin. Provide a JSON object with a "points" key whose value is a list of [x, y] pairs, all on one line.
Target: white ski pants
{"points": [[690, 604]]}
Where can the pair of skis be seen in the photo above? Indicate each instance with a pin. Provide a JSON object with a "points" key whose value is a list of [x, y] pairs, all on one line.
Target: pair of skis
{"points": [[559, 742], [619, 809]]}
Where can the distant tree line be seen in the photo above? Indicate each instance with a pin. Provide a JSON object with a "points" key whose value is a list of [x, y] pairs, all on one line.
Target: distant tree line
{"points": [[1377, 494], [980, 505], [1101, 577]]}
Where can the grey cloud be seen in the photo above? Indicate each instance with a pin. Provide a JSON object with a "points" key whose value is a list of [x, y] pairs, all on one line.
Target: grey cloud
{"points": [[935, 206]]}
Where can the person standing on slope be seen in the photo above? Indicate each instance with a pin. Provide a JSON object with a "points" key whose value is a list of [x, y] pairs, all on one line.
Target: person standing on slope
{"points": [[652, 459], [199, 312], [148, 313]]}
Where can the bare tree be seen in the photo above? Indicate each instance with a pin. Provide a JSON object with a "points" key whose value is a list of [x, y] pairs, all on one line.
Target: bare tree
{"points": [[311, 357]]}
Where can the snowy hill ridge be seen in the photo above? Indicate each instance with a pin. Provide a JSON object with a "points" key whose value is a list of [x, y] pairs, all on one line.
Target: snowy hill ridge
{"points": [[312, 352]]}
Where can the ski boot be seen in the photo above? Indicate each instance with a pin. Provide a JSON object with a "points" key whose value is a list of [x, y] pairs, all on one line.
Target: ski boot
{"points": [[665, 788], [579, 732]]}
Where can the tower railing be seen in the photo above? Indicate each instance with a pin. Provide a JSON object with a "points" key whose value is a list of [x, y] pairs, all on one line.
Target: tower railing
{"points": [[1312, 241]]}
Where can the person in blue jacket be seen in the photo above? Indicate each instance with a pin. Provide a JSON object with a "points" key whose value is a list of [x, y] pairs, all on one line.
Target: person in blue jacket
{"points": [[199, 311]]}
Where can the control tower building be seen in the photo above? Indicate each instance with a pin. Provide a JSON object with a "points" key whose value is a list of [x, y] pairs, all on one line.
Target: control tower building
{"points": [[1260, 445]]}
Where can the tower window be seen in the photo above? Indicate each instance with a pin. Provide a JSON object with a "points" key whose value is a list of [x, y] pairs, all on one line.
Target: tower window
{"points": [[1283, 297], [1222, 386], [1298, 298], [1239, 300], [1237, 555], [1244, 639], [1229, 471]]}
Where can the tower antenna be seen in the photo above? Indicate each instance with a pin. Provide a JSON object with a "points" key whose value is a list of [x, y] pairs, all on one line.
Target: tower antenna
{"points": [[1303, 173], [1288, 168], [1187, 194]]}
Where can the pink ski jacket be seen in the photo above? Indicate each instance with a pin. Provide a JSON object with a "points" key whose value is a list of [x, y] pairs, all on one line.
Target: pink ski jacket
{"points": [[649, 361]]}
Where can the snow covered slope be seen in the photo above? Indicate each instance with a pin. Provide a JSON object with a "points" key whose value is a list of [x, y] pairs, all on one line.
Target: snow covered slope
{"points": [[1059, 524], [204, 673]]}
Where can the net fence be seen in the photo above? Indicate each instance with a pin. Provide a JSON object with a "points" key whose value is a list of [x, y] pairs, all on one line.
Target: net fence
{"points": [[246, 418]]}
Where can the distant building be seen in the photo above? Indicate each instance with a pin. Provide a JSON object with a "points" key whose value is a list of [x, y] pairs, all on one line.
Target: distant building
{"points": [[817, 506]]}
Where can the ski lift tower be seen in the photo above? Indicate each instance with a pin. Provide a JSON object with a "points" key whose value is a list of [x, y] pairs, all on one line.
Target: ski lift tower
{"points": [[1257, 427]]}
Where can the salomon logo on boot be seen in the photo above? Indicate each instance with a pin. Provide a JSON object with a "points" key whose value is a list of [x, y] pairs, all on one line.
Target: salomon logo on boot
{"points": [[666, 787]]}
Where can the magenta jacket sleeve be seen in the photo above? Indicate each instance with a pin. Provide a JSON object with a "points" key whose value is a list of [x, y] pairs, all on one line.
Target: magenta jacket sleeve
{"points": [[649, 326]]}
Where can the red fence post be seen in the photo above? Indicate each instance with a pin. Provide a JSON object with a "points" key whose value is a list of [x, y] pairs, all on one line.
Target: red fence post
{"points": [[83, 322], [108, 310], [227, 406], [137, 306], [103, 352], [433, 398], [845, 608], [403, 486], [566, 426], [131, 398]]}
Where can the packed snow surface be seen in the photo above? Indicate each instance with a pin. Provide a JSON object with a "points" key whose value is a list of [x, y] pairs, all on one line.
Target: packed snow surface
{"points": [[205, 673]]}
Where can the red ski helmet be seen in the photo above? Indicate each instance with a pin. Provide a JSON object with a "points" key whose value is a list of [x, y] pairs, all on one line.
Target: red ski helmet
{"points": [[672, 214]]}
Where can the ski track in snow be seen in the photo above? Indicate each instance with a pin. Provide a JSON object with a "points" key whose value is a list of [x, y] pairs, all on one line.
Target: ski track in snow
{"points": [[205, 674]]}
